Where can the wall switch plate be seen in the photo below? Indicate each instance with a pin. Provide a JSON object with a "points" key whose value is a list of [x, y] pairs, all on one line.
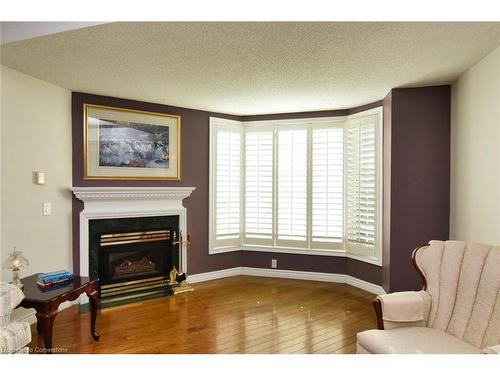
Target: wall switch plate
{"points": [[40, 178], [274, 263], [47, 209]]}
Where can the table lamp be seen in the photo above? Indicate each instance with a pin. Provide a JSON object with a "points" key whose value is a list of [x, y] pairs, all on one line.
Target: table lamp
{"points": [[15, 262]]}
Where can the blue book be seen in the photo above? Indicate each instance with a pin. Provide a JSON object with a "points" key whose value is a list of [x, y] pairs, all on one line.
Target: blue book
{"points": [[55, 276], [56, 273], [55, 279]]}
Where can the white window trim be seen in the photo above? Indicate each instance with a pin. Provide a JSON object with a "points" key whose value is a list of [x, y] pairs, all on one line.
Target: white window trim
{"points": [[375, 260]]}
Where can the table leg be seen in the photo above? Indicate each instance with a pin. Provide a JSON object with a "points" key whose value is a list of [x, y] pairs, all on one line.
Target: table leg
{"points": [[38, 327], [46, 323], [94, 301]]}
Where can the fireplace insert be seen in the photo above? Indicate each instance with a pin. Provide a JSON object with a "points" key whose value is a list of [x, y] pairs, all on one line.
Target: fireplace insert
{"points": [[132, 257]]}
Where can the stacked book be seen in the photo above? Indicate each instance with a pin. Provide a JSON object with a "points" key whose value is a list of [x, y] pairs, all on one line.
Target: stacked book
{"points": [[46, 280]]}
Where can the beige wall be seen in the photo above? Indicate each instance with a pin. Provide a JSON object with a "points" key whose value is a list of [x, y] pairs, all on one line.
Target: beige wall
{"points": [[36, 136], [475, 155]]}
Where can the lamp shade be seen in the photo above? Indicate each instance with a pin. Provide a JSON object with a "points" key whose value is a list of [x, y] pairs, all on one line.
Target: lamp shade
{"points": [[15, 260]]}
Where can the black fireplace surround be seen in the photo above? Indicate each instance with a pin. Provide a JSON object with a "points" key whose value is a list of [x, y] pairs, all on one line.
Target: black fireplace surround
{"points": [[130, 269]]}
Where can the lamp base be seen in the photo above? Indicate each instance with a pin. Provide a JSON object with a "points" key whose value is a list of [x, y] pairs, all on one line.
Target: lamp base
{"points": [[15, 279]]}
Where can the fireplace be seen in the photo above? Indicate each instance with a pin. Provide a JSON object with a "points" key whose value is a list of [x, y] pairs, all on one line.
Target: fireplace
{"points": [[132, 257], [121, 210]]}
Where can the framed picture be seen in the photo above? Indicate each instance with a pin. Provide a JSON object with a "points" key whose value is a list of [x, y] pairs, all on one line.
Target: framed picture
{"points": [[126, 144]]}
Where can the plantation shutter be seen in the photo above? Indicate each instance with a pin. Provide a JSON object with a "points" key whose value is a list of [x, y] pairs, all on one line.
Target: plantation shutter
{"points": [[327, 186], [361, 200], [292, 187], [259, 186], [227, 187]]}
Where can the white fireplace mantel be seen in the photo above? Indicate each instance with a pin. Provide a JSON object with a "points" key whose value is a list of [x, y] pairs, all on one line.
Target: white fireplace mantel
{"points": [[87, 194], [121, 202]]}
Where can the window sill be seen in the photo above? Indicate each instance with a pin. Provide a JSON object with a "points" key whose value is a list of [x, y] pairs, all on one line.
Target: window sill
{"points": [[320, 252]]}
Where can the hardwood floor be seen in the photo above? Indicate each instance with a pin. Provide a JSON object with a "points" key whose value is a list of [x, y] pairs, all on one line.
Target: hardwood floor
{"points": [[242, 314]]}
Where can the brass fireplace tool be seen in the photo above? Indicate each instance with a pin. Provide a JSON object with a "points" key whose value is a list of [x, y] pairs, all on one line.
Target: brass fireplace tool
{"points": [[178, 279]]}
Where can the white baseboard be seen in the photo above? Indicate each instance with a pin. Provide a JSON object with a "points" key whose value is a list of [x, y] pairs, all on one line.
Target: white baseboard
{"points": [[214, 275], [288, 274]]}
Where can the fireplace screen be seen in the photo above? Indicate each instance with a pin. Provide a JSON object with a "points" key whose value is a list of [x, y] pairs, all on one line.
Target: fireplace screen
{"points": [[133, 256]]}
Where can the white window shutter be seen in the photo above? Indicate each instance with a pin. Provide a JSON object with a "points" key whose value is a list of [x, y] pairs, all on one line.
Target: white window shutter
{"points": [[259, 186], [327, 186], [227, 185], [292, 187], [362, 186]]}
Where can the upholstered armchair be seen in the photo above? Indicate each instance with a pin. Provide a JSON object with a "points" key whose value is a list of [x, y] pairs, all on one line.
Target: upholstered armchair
{"points": [[14, 336], [458, 310]]}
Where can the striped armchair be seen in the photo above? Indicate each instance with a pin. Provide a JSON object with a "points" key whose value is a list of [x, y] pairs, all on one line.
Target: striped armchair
{"points": [[458, 311], [14, 336]]}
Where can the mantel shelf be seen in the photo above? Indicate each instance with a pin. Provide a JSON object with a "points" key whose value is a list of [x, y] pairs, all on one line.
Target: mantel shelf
{"points": [[88, 194]]}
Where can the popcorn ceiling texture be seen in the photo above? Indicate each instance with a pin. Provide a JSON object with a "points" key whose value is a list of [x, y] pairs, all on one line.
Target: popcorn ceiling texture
{"points": [[247, 68]]}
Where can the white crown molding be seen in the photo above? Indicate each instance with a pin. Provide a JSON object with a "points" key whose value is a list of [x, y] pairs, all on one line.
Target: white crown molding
{"points": [[88, 194], [288, 274]]}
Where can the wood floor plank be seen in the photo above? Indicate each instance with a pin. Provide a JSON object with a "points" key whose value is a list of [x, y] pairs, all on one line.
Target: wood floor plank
{"points": [[241, 314]]}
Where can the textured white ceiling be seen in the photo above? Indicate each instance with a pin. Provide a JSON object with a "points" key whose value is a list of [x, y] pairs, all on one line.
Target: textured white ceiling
{"points": [[253, 68]]}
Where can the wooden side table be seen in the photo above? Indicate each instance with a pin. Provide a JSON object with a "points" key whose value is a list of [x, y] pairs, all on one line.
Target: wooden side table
{"points": [[47, 301]]}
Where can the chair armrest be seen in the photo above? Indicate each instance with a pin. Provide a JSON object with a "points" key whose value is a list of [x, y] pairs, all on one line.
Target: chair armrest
{"points": [[492, 350], [394, 300], [10, 297]]}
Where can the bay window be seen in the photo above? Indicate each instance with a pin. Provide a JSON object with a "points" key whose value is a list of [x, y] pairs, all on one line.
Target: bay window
{"points": [[309, 186]]}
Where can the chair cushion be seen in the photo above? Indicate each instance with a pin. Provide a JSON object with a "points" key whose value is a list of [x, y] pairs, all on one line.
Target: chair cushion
{"points": [[413, 340], [14, 336]]}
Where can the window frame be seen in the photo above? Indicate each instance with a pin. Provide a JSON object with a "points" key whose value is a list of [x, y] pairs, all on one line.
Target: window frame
{"points": [[339, 249]]}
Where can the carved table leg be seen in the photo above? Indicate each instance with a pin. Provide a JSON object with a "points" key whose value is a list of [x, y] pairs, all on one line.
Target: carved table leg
{"points": [[94, 301], [38, 327], [46, 323]]}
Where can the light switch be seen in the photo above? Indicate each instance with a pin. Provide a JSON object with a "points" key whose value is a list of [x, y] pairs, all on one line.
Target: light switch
{"points": [[47, 209], [40, 178]]}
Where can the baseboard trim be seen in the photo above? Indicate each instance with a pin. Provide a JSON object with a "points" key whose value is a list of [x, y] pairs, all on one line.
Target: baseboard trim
{"points": [[214, 275], [288, 274]]}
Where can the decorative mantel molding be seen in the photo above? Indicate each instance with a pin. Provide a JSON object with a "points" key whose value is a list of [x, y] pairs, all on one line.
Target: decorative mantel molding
{"points": [[88, 194], [125, 202]]}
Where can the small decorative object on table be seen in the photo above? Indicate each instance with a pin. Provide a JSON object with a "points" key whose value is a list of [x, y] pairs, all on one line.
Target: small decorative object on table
{"points": [[47, 280], [178, 280], [15, 262]]}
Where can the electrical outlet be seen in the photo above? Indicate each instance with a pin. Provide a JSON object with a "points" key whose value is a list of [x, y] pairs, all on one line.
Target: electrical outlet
{"points": [[274, 263]]}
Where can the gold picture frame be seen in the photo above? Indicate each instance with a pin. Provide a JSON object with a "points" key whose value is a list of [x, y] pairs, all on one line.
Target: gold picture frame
{"points": [[129, 144]]}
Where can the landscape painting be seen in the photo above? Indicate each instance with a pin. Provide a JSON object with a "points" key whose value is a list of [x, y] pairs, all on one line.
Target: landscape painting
{"points": [[129, 144]]}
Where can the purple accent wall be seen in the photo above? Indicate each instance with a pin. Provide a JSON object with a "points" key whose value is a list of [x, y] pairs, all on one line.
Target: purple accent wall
{"points": [[365, 107], [312, 114], [294, 262], [416, 151], [194, 172], [418, 129], [295, 115]]}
